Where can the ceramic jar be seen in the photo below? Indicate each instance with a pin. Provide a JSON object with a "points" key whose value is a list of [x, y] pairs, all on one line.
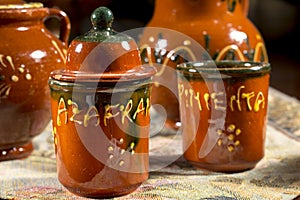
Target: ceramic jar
{"points": [[28, 53], [220, 27], [224, 113], [100, 112]]}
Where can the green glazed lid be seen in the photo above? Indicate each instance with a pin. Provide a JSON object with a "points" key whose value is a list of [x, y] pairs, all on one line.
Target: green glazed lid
{"points": [[102, 20], [103, 54]]}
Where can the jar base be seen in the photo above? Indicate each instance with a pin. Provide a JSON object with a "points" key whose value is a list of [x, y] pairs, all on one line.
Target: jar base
{"points": [[226, 168], [104, 193], [16, 152]]}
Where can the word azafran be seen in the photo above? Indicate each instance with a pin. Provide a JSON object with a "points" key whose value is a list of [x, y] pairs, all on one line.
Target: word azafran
{"points": [[93, 115]]}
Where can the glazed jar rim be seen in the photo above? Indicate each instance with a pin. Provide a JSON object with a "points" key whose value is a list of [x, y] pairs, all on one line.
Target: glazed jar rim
{"points": [[145, 71], [22, 6], [224, 67]]}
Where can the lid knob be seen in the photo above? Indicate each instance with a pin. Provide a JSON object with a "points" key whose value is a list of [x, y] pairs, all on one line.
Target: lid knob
{"points": [[102, 17]]}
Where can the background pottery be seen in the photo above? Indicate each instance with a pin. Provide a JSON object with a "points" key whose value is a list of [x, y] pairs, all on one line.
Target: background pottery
{"points": [[221, 27], [28, 53]]}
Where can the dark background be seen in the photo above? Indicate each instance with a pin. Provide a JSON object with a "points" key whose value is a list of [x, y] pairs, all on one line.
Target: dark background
{"points": [[277, 20]]}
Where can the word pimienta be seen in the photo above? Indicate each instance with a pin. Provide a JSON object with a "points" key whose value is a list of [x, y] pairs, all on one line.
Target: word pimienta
{"points": [[216, 100], [91, 116]]}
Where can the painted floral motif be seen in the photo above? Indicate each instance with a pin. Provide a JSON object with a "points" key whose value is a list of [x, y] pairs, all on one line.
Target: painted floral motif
{"points": [[233, 52], [179, 54], [116, 153], [162, 55], [228, 137], [12, 74]]}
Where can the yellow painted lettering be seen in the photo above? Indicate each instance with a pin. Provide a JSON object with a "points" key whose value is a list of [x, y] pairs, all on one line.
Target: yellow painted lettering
{"points": [[248, 96], [206, 99], [75, 112], [90, 114], [236, 99], [197, 98], [260, 99], [125, 111], [139, 108], [61, 109], [180, 91], [148, 106], [108, 113], [218, 104], [186, 93], [191, 92]]}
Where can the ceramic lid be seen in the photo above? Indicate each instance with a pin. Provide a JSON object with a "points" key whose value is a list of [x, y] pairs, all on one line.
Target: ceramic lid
{"points": [[103, 54]]}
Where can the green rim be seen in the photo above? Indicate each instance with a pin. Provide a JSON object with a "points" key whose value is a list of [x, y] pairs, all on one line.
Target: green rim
{"points": [[98, 87], [223, 68]]}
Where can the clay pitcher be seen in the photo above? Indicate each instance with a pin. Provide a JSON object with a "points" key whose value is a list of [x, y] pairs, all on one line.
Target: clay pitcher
{"points": [[220, 27], [28, 53]]}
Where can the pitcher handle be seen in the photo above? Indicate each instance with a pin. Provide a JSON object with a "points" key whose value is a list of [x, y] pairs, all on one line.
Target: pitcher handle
{"points": [[65, 24]]}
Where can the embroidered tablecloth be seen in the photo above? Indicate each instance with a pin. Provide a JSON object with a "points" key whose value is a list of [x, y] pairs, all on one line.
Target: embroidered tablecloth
{"points": [[277, 175]]}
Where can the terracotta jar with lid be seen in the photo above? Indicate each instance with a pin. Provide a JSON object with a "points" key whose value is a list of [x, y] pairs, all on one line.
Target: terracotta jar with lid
{"points": [[100, 112], [28, 53], [220, 27]]}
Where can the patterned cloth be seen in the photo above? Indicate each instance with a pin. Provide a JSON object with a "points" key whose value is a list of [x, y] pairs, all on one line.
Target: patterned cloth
{"points": [[277, 175]]}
